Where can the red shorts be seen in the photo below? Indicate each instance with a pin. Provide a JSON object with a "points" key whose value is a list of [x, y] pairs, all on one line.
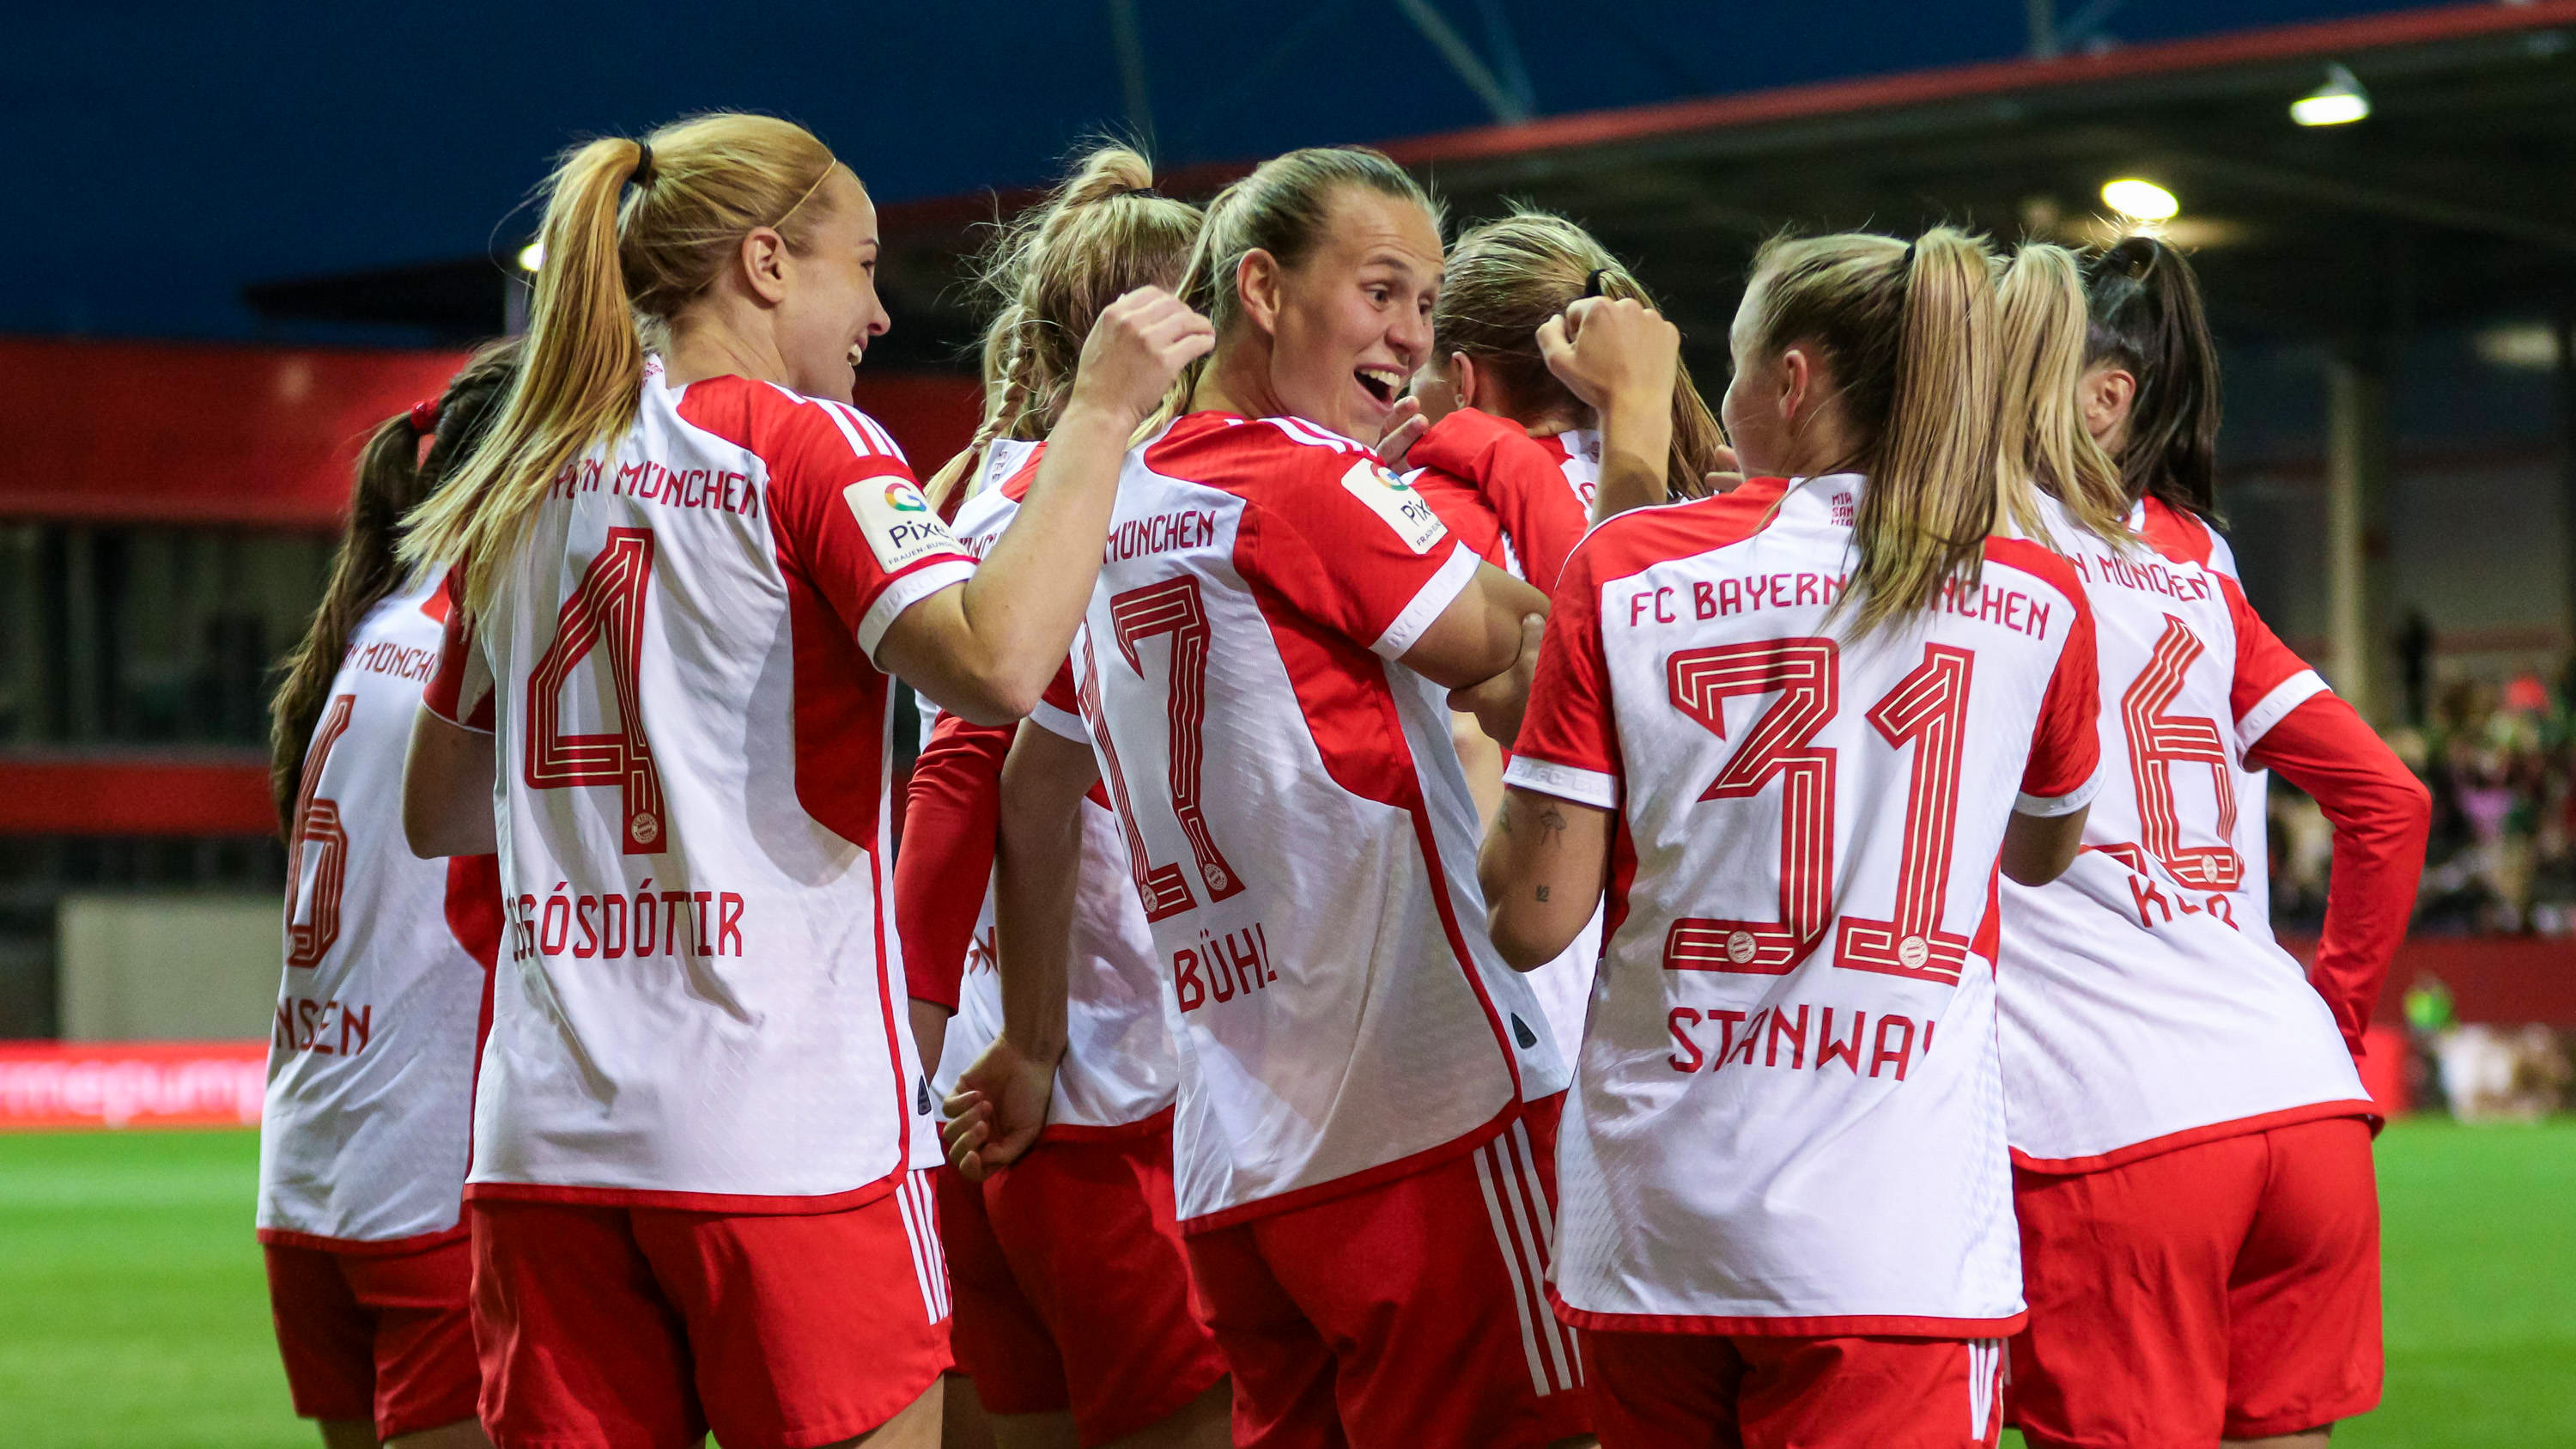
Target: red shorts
{"points": [[1409, 1313], [1757, 1391], [2227, 1289], [1072, 1288], [381, 1338], [641, 1327]]}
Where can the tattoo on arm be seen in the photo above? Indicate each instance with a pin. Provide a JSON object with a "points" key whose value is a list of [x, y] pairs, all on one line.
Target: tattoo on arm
{"points": [[1551, 822], [1542, 893]]}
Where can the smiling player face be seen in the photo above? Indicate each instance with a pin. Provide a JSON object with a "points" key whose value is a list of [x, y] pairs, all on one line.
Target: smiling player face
{"points": [[1354, 317], [833, 311]]}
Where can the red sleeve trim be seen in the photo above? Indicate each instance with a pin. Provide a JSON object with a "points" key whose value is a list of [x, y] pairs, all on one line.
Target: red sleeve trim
{"points": [[2065, 749]]}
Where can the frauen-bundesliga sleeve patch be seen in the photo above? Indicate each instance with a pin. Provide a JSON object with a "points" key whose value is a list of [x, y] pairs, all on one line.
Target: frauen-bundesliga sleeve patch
{"points": [[1390, 498], [901, 526]]}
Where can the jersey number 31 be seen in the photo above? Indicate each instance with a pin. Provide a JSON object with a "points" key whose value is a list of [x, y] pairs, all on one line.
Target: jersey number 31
{"points": [[1927, 710]]}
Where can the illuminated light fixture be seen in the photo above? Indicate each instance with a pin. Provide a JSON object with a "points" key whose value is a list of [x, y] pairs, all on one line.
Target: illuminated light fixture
{"points": [[532, 256], [2140, 200], [2339, 102]]}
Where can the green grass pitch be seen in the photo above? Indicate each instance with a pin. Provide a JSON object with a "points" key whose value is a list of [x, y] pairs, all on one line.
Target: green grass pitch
{"points": [[133, 1312]]}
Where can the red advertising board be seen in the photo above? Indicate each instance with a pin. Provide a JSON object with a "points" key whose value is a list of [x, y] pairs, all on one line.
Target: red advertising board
{"points": [[53, 1085]]}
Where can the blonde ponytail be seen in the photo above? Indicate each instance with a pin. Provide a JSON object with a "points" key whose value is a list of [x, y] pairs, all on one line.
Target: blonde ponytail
{"points": [[1909, 333], [1506, 278], [613, 265], [2041, 443], [1101, 234]]}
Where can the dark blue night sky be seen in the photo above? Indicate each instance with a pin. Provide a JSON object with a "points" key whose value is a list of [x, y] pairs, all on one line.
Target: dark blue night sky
{"points": [[167, 155]]}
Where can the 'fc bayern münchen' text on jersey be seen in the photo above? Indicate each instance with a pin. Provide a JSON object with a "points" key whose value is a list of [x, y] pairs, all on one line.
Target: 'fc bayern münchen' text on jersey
{"points": [[371, 1058], [699, 997], [1788, 1116], [1296, 821], [1117, 1070], [2146, 1005]]}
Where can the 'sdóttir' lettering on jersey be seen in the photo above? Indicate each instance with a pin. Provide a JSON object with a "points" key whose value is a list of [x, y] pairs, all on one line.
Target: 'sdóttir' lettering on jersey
{"points": [[899, 522], [1401, 507]]}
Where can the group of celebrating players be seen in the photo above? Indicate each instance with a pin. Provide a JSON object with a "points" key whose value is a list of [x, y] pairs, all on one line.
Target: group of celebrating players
{"points": [[1446, 898]]}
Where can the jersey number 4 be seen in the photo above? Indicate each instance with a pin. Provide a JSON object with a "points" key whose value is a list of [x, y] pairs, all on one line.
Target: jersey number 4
{"points": [[313, 916], [605, 612], [1173, 607], [1928, 710]]}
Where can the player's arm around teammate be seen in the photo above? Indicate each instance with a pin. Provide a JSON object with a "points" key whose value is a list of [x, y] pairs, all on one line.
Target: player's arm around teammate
{"points": [[1370, 1264], [363, 1138]]}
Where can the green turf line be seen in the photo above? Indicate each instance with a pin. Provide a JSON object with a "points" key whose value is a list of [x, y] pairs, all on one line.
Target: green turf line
{"points": [[133, 1310]]}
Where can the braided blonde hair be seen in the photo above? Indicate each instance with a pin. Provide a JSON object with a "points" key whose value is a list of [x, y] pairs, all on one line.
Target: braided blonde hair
{"points": [[1101, 234]]}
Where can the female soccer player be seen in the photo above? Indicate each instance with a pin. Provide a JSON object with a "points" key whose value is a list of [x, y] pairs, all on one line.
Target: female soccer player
{"points": [[388, 960], [1513, 455], [1073, 1295], [689, 577], [1262, 678], [1797, 729], [2191, 1141], [1488, 395]]}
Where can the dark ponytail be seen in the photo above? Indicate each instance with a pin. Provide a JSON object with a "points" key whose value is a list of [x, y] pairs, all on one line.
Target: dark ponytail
{"points": [[2147, 320], [389, 486]]}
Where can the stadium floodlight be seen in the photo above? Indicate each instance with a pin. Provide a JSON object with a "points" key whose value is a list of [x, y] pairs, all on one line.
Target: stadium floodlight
{"points": [[2339, 102], [2139, 200], [532, 256]]}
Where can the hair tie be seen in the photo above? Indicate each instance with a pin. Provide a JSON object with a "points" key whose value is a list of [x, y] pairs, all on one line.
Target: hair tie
{"points": [[1146, 190], [1592, 284], [643, 165], [424, 417], [1905, 263]]}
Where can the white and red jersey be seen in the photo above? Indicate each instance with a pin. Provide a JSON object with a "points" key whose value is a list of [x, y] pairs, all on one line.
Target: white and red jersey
{"points": [[1296, 821], [2145, 1002], [1117, 1073], [1522, 503], [700, 998], [371, 1058], [1788, 1117]]}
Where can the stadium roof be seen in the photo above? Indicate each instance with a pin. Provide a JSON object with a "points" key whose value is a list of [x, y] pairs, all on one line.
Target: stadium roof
{"points": [[2451, 202]]}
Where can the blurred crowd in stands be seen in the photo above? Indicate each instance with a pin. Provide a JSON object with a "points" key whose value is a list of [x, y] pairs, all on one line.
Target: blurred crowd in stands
{"points": [[2501, 764], [2500, 761]]}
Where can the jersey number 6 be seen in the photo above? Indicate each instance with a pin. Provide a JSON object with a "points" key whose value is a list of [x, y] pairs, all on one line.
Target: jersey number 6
{"points": [[605, 611], [313, 916]]}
